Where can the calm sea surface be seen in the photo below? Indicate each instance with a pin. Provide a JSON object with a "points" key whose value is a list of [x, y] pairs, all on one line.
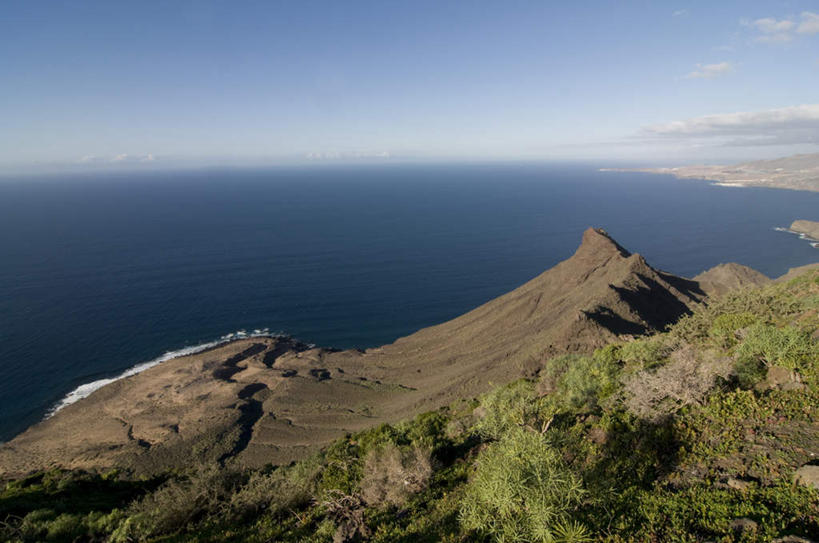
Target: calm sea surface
{"points": [[103, 272]]}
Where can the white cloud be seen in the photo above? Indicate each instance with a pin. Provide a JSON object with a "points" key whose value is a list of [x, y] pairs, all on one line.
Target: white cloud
{"points": [[809, 24], [710, 71], [773, 30], [347, 155], [123, 158], [680, 13], [789, 125]]}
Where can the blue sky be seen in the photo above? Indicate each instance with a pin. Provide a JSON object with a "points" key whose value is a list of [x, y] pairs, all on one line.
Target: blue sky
{"points": [[142, 84]]}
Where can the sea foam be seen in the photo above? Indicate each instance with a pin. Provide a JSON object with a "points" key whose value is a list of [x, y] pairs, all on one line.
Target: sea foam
{"points": [[86, 389], [813, 242]]}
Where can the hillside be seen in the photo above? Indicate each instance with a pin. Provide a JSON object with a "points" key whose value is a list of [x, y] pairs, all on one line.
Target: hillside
{"points": [[267, 400], [724, 278], [706, 432]]}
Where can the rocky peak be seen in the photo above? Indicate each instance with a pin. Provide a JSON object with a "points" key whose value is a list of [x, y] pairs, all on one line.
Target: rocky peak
{"points": [[598, 244]]}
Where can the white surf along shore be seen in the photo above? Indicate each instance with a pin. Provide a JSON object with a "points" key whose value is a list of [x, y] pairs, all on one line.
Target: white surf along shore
{"points": [[86, 389], [814, 242]]}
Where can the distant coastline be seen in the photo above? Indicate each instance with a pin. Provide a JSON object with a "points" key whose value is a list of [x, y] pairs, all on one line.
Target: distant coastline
{"points": [[797, 172]]}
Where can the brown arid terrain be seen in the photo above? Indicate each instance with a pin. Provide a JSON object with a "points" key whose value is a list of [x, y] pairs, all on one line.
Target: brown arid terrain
{"points": [[274, 400], [809, 228], [797, 172], [731, 276]]}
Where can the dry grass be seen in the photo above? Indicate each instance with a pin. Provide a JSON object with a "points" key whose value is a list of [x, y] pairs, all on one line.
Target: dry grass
{"points": [[684, 380], [391, 475]]}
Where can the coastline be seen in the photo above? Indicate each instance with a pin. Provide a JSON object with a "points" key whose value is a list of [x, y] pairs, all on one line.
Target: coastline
{"points": [[799, 172], [86, 389]]}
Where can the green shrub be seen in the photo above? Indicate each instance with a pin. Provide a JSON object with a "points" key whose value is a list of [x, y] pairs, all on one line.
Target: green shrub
{"points": [[787, 347], [512, 406], [588, 381], [766, 304], [271, 492], [704, 512], [342, 468], [522, 491], [725, 327], [749, 371], [428, 430], [178, 503], [645, 353]]}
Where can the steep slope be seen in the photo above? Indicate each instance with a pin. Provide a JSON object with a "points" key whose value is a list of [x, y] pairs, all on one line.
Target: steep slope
{"points": [[268, 400], [731, 276]]}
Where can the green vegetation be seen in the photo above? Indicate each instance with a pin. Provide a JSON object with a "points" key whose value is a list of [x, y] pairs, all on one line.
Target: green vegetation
{"points": [[690, 435]]}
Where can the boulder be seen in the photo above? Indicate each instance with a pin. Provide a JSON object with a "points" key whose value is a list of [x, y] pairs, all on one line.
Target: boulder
{"points": [[807, 476]]}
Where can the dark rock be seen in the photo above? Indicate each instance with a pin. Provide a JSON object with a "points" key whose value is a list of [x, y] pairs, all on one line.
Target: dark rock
{"points": [[743, 526], [782, 379]]}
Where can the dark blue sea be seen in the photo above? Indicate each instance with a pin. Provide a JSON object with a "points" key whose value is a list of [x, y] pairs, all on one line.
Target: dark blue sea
{"points": [[106, 271]]}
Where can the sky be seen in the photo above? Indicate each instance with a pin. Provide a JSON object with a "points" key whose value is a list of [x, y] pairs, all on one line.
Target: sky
{"points": [[150, 84]]}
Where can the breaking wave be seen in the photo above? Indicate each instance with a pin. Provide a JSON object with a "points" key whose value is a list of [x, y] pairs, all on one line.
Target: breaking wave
{"points": [[86, 389], [813, 242]]}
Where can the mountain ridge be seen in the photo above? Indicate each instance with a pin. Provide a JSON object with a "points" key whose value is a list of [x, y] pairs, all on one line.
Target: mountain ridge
{"points": [[264, 400]]}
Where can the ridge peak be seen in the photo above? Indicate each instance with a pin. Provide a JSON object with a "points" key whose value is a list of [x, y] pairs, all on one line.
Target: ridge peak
{"points": [[599, 242]]}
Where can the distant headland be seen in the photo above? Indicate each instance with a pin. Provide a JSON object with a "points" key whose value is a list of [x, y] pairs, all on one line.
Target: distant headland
{"points": [[797, 172]]}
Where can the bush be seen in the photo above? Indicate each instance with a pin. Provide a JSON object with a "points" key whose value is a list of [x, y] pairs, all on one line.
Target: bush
{"points": [[522, 491], [512, 406], [272, 492], [645, 353], [588, 381], [176, 504], [684, 380], [391, 475], [766, 304], [725, 327], [749, 372], [787, 347], [428, 430]]}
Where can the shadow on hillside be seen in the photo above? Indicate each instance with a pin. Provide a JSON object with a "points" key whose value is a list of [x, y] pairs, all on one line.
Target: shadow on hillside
{"points": [[653, 303], [636, 453]]}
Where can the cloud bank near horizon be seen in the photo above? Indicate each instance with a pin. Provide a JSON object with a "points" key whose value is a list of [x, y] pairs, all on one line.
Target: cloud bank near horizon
{"points": [[781, 126]]}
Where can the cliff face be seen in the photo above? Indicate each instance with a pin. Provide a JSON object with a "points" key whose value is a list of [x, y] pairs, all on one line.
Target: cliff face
{"points": [[267, 400]]}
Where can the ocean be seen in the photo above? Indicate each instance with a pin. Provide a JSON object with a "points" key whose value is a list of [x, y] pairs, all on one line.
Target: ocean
{"points": [[103, 272]]}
